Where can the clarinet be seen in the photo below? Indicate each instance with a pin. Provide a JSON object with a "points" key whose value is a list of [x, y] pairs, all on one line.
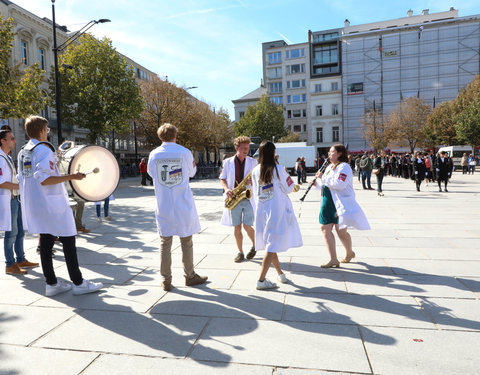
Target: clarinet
{"points": [[322, 169]]}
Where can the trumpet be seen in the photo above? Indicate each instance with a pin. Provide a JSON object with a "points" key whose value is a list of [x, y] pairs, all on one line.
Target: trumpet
{"points": [[321, 170]]}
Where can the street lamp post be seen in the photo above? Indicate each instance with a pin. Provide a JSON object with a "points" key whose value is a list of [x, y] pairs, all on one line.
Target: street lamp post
{"points": [[55, 56]]}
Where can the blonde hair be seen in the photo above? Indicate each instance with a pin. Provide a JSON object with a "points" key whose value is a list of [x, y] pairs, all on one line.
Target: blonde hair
{"points": [[167, 132], [242, 139], [34, 125]]}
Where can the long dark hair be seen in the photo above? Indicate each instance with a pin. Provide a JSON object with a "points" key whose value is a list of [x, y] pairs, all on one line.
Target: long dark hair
{"points": [[266, 159], [341, 148]]}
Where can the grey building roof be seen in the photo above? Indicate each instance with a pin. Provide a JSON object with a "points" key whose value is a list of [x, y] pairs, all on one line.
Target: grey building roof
{"points": [[253, 95]]}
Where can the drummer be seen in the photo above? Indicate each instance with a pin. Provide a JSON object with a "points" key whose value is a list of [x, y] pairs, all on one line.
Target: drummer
{"points": [[46, 210]]}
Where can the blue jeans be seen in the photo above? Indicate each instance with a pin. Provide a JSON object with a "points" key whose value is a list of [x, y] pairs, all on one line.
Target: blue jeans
{"points": [[14, 238], [105, 207], [366, 175]]}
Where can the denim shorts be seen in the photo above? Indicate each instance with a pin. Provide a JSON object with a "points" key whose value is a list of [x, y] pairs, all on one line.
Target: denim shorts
{"points": [[242, 213]]}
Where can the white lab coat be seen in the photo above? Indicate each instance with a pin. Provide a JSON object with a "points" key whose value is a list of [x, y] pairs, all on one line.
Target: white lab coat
{"points": [[45, 209], [171, 167], [276, 227], [6, 175], [228, 174], [339, 181]]}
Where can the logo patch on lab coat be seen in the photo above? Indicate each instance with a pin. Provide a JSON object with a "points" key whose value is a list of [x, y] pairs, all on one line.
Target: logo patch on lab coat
{"points": [[342, 176], [289, 181], [169, 172], [265, 192]]}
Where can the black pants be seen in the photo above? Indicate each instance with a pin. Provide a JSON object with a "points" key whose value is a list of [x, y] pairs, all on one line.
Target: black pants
{"points": [[145, 177], [70, 253], [440, 183], [379, 181], [418, 182]]}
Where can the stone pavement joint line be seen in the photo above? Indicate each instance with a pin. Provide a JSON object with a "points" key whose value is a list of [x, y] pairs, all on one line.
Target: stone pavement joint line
{"points": [[409, 303]]}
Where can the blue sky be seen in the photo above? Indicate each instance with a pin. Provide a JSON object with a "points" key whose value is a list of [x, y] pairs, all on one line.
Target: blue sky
{"points": [[216, 44]]}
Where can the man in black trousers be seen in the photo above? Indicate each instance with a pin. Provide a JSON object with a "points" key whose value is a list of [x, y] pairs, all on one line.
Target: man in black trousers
{"points": [[444, 169]]}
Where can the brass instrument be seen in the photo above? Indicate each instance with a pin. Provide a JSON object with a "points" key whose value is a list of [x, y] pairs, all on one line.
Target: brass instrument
{"points": [[296, 188], [239, 193]]}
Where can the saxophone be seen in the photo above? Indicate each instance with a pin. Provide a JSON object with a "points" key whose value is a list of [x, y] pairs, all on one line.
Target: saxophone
{"points": [[239, 193]]}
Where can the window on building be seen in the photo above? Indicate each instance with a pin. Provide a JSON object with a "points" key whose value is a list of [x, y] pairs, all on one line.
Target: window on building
{"points": [[241, 114], [276, 87], [355, 88], [304, 127], [296, 98], [297, 113], [304, 98], [41, 58], [325, 54], [275, 72], [318, 110], [318, 87], [295, 53], [320, 135], [335, 134], [277, 99], [334, 109], [24, 51], [297, 128], [296, 68], [304, 112], [275, 58], [334, 86], [289, 99], [289, 114]]}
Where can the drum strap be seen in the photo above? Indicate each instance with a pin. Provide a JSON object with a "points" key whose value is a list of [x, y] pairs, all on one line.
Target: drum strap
{"points": [[25, 157]]}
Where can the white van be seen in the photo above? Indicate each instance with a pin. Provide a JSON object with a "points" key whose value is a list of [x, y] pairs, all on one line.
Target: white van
{"points": [[457, 152], [290, 151]]}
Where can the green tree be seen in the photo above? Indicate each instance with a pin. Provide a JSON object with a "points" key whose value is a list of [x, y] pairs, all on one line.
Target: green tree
{"points": [[468, 124], [99, 92], [264, 119], [20, 93], [376, 130], [290, 137], [441, 125]]}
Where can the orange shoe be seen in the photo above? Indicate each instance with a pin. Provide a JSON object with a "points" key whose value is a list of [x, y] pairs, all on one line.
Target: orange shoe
{"points": [[27, 264], [14, 270]]}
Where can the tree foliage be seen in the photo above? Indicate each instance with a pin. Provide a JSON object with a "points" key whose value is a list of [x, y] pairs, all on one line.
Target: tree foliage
{"points": [[264, 119], [468, 124], [20, 93], [440, 128], [99, 92], [376, 130], [407, 122], [290, 137], [199, 128]]}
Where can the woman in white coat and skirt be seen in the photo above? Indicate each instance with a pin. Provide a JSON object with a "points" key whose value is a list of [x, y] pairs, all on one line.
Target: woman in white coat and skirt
{"points": [[339, 207], [276, 227]]}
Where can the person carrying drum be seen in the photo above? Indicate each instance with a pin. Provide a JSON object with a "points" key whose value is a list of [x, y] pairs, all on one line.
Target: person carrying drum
{"points": [[171, 167], [46, 210]]}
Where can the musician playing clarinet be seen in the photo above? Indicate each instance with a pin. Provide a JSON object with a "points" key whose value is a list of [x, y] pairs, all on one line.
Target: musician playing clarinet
{"points": [[339, 208], [233, 172]]}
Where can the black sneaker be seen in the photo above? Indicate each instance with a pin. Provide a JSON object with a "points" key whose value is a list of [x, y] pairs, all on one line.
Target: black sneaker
{"points": [[251, 253], [239, 258]]}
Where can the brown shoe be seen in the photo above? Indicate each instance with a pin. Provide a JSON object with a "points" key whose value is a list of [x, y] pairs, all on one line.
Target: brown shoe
{"points": [[27, 264], [196, 280], [239, 258], [14, 270], [83, 230], [167, 286]]}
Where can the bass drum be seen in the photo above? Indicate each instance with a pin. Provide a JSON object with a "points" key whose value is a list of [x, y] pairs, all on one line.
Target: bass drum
{"points": [[94, 187]]}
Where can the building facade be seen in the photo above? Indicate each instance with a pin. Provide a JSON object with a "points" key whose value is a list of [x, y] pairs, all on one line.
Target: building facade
{"points": [[327, 84], [246, 101]]}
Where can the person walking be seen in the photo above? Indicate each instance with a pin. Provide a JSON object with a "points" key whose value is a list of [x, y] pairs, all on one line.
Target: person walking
{"points": [[339, 208], [106, 206], [143, 173], [443, 169], [276, 227], [171, 167], [234, 171], [472, 162], [366, 165], [379, 164], [299, 170], [10, 209], [304, 169], [419, 169], [464, 163], [46, 210]]}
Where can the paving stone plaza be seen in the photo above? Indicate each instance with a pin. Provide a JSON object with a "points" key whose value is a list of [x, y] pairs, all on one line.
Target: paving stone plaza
{"points": [[407, 304]]}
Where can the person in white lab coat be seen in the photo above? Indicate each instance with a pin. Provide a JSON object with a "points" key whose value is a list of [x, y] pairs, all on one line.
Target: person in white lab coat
{"points": [[171, 166], [233, 172], [45, 207], [339, 207], [10, 211], [276, 227]]}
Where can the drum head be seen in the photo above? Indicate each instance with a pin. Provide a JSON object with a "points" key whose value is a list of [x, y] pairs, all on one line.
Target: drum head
{"points": [[94, 187]]}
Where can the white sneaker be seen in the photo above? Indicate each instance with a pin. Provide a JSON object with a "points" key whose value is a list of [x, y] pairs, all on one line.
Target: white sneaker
{"points": [[282, 278], [86, 287], [59, 287], [265, 284], [99, 219], [108, 218]]}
